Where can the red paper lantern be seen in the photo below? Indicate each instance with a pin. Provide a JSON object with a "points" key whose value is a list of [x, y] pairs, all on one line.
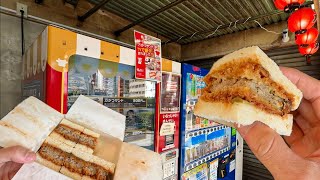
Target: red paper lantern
{"points": [[301, 20], [308, 51], [287, 5], [307, 38]]}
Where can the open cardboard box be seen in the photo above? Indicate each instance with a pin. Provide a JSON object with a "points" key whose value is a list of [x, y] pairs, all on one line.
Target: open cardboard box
{"points": [[30, 123]]}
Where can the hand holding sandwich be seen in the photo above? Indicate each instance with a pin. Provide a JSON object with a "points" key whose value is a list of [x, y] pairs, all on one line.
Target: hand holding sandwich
{"points": [[12, 158], [298, 155]]}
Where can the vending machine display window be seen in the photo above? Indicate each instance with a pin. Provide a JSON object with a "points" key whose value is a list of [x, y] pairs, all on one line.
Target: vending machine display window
{"points": [[204, 143], [114, 85]]}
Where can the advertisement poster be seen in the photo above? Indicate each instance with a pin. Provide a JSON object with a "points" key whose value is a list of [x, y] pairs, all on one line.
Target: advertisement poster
{"points": [[114, 85], [170, 92], [148, 57], [169, 139], [194, 86], [197, 173], [213, 170]]}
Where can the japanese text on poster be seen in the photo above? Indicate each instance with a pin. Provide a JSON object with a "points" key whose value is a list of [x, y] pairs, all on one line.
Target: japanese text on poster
{"points": [[125, 102], [148, 57], [170, 92]]}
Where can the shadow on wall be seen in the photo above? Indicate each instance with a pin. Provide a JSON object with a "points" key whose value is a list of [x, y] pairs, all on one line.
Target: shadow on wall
{"points": [[10, 58]]}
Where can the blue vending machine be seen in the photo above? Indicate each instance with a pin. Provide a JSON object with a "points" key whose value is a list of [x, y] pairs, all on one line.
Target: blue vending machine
{"points": [[207, 149]]}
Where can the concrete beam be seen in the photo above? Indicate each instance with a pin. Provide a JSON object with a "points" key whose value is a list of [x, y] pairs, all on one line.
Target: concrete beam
{"points": [[228, 43], [101, 23]]}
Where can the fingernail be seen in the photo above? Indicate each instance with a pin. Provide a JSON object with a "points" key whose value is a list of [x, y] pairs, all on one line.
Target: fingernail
{"points": [[31, 156]]}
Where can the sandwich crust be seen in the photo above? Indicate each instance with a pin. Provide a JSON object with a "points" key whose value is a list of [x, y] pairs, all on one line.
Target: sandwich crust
{"points": [[242, 114]]}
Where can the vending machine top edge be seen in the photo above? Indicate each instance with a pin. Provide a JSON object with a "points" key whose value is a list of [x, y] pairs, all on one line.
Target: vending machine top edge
{"points": [[61, 64]]}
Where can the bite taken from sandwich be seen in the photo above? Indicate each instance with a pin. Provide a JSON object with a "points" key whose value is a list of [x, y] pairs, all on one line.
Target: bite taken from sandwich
{"points": [[247, 86]]}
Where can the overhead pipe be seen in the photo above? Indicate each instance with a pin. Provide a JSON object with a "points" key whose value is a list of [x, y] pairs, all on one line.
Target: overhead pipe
{"points": [[93, 10], [11, 12]]}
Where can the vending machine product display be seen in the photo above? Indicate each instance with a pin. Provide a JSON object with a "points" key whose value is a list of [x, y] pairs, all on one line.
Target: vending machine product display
{"points": [[61, 65], [207, 149]]}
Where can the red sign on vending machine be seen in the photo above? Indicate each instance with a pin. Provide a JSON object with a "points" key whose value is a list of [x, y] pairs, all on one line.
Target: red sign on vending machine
{"points": [[169, 131], [168, 112], [148, 57]]}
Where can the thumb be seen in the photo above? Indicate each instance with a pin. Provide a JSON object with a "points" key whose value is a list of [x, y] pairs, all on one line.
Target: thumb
{"points": [[16, 154], [271, 150]]}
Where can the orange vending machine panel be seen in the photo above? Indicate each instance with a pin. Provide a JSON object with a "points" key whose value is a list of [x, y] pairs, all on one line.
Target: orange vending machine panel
{"points": [[61, 65]]}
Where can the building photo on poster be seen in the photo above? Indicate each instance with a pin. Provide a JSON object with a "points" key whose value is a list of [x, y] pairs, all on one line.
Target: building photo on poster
{"points": [[114, 85], [169, 111], [170, 92], [148, 57]]}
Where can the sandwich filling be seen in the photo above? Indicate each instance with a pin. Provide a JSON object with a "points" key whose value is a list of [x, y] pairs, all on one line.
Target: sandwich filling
{"points": [[246, 81], [76, 136], [73, 163]]}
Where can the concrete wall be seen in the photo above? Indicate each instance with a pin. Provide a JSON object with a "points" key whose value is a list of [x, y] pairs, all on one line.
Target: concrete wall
{"points": [[231, 42], [102, 23], [10, 59]]}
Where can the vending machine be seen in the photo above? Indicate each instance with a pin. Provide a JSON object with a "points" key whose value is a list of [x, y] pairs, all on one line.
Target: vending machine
{"points": [[61, 65], [168, 93], [207, 149]]}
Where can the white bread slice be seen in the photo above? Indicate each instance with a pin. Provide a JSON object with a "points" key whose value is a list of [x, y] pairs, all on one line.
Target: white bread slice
{"points": [[87, 178], [91, 133], [59, 144], [72, 125], [245, 113], [82, 155], [59, 137], [83, 148], [105, 164], [47, 163], [268, 64], [70, 174]]}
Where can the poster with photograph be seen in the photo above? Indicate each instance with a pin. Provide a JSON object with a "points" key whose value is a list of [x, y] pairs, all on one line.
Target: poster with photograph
{"points": [[213, 174], [169, 131], [194, 86], [170, 92], [113, 85], [198, 173], [148, 57]]}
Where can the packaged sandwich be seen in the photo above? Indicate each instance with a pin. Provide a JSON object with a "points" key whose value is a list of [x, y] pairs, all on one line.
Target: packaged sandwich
{"points": [[84, 144]]}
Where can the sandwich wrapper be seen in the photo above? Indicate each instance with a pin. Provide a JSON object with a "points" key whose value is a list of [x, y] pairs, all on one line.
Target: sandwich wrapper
{"points": [[30, 123]]}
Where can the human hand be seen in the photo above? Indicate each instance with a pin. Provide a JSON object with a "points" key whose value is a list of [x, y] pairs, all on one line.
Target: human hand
{"points": [[296, 156], [12, 158]]}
